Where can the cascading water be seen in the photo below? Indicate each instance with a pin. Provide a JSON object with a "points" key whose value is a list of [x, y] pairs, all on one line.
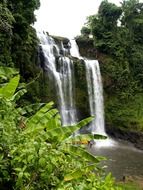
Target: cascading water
{"points": [[95, 93], [74, 50], [61, 68]]}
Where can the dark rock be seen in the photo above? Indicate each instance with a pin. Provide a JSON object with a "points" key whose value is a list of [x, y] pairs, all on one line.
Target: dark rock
{"points": [[86, 47], [132, 136]]}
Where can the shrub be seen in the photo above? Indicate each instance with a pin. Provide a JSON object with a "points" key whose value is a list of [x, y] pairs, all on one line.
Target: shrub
{"points": [[38, 153]]}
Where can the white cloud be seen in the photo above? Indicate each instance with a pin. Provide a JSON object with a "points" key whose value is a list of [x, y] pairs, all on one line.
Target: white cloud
{"points": [[65, 17]]}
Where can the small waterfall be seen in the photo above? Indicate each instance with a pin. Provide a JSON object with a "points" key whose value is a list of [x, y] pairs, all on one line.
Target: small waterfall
{"points": [[95, 93], [74, 50], [59, 65]]}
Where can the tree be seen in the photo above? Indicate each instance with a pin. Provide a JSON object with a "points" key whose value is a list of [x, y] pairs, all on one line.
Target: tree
{"points": [[117, 33], [104, 26], [85, 31], [6, 22], [19, 43], [132, 19]]}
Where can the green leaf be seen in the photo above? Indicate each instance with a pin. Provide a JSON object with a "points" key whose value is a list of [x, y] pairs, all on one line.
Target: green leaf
{"points": [[80, 172], [77, 151], [42, 162], [84, 122], [18, 169], [63, 133], [30, 157], [80, 139], [54, 123], [7, 72], [8, 90], [42, 112], [97, 136], [18, 94], [47, 117], [29, 109]]}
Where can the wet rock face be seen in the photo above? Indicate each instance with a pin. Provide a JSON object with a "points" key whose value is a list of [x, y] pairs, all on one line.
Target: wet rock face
{"points": [[86, 48], [134, 137], [63, 43], [81, 94]]}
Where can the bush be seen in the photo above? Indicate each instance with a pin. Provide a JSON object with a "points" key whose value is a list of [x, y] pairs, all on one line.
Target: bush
{"points": [[38, 153]]}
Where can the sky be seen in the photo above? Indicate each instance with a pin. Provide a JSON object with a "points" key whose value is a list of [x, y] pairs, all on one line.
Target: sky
{"points": [[66, 17]]}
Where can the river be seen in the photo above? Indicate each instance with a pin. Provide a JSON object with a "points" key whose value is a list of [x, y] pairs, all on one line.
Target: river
{"points": [[122, 159]]}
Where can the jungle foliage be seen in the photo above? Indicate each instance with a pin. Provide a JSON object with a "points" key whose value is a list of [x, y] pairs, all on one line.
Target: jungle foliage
{"points": [[36, 152], [117, 35], [18, 41], [19, 44]]}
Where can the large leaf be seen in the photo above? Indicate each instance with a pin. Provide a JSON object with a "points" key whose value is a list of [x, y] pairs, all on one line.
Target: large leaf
{"points": [[7, 72], [43, 129], [44, 111], [84, 122], [32, 108], [80, 139], [54, 123], [8, 90], [80, 172], [99, 137], [18, 94], [65, 132], [83, 154], [47, 117], [50, 121]]}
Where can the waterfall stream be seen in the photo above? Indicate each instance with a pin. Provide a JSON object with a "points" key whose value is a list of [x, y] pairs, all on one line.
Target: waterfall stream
{"points": [[61, 68], [95, 90], [122, 158], [95, 93]]}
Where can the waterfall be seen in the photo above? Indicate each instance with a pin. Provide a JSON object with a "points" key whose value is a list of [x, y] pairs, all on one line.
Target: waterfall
{"points": [[74, 50], [60, 66], [95, 91]]}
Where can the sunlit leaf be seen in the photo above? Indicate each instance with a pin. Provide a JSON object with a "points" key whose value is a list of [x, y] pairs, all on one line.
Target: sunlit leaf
{"points": [[79, 173], [9, 89]]}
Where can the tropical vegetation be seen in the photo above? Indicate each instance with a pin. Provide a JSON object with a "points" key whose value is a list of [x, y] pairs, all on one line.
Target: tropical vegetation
{"points": [[117, 37], [37, 152]]}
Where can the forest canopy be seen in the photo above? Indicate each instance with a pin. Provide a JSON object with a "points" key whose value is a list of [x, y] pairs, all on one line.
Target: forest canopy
{"points": [[117, 35], [18, 41]]}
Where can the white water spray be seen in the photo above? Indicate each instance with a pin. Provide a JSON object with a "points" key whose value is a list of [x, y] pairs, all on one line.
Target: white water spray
{"points": [[63, 76], [95, 93]]}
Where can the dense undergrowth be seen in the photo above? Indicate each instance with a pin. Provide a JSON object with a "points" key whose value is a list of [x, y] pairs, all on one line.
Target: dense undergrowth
{"points": [[36, 152]]}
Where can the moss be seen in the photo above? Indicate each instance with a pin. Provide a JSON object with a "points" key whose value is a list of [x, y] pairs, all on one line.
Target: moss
{"points": [[81, 93]]}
